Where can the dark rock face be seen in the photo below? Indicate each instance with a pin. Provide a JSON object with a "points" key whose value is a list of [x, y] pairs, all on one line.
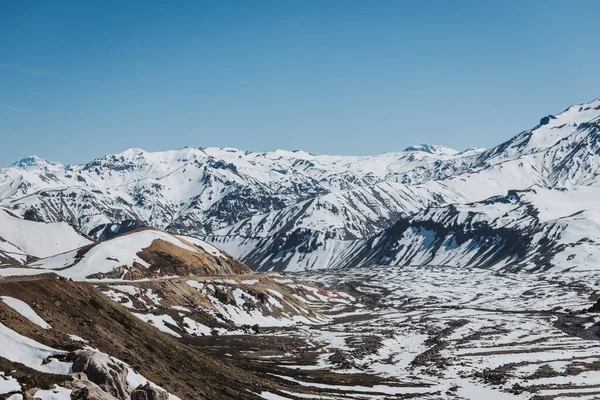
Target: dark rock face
{"points": [[32, 215], [546, 120], [148, 392], [342, 360], [109, 231], [595, 308], [467, 237]]}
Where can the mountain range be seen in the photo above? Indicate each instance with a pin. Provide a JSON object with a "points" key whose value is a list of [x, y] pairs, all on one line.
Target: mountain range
{"points": [[528, 203]]}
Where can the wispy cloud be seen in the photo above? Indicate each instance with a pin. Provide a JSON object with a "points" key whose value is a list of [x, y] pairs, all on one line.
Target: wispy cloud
{"points": [[23, 110], [43, 72]]}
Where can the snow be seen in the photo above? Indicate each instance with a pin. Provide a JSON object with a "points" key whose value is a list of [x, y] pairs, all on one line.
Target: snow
{"points": [[21, 349], [108, 255], [119, 297], [26, 311], [273, 396], [563, 223], [562, 125], [195, 328], [505, 323], [188, 186], [37, 239], [8, 384], [389, 390], [32, 162], [58, 393], [209, 248], [432, 149], [77, 338], [244, 310], [159, 322], [239, 315], [195, 284]]}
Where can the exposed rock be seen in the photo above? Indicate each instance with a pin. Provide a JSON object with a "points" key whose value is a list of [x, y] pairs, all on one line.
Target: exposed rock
{"points": [[83, 389], [109, 375], [225, 296], [342, 360], [595, 308], [546, 120], [89, 391], [148, 392]]}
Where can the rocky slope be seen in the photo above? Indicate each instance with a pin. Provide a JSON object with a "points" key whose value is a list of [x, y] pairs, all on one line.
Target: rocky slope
{"points": [[90, 347], [182, 282], [560, 153], [315, 232], [143, 253], [548, 221], [117, 320], [207, 191]]}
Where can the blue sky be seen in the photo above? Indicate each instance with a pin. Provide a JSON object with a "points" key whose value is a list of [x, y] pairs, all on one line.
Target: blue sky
{"points": [[82, 79]]}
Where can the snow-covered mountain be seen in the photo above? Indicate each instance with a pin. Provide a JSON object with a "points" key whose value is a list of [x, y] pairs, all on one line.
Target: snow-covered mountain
{"points": [[191, 190], [534, 205], [295, 210], [208, 191], [323, 231], [22, 241], [532, 230], [141, 254], [560, 153]]}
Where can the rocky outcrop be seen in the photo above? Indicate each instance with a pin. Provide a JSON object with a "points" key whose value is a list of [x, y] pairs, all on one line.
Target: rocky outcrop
{"points": [[149, 392], [83, 389], [108, 374]]}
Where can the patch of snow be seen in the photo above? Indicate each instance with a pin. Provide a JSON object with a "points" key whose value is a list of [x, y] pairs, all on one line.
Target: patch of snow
{"points": [[39, 239], [8, 384], [21, 349], [77, 339], [58, 393], [159, 322], [209, 248], [25, 310]]}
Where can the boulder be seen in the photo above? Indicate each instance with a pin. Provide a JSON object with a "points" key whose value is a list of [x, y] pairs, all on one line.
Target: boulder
{"points": [[149, 392], [89, 391], [108, 374]]}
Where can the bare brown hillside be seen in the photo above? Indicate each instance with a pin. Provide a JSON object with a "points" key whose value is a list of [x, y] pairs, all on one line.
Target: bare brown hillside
{"points": [[77, 308]]}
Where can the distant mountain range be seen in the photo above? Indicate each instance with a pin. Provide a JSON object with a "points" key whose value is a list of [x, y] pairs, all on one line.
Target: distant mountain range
{"points": [[528, 203]]}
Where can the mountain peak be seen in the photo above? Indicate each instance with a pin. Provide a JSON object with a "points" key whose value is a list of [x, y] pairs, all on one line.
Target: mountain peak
{"points": [[34, 162], [432, 149], [134, 152]]}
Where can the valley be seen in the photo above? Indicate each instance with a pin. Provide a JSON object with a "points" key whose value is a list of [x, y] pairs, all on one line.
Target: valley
{"points": [[438, 333], [389, 333]]}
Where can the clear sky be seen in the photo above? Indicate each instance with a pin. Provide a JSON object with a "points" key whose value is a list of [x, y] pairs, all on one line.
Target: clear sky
{"points": [[85, 78]]}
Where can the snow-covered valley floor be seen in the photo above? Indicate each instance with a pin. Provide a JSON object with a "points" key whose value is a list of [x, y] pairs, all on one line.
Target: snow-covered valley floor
{"points": [[438, 332]]}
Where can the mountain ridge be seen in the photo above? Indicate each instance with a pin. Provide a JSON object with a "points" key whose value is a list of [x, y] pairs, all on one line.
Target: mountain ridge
{"points": [[292, 208]]}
